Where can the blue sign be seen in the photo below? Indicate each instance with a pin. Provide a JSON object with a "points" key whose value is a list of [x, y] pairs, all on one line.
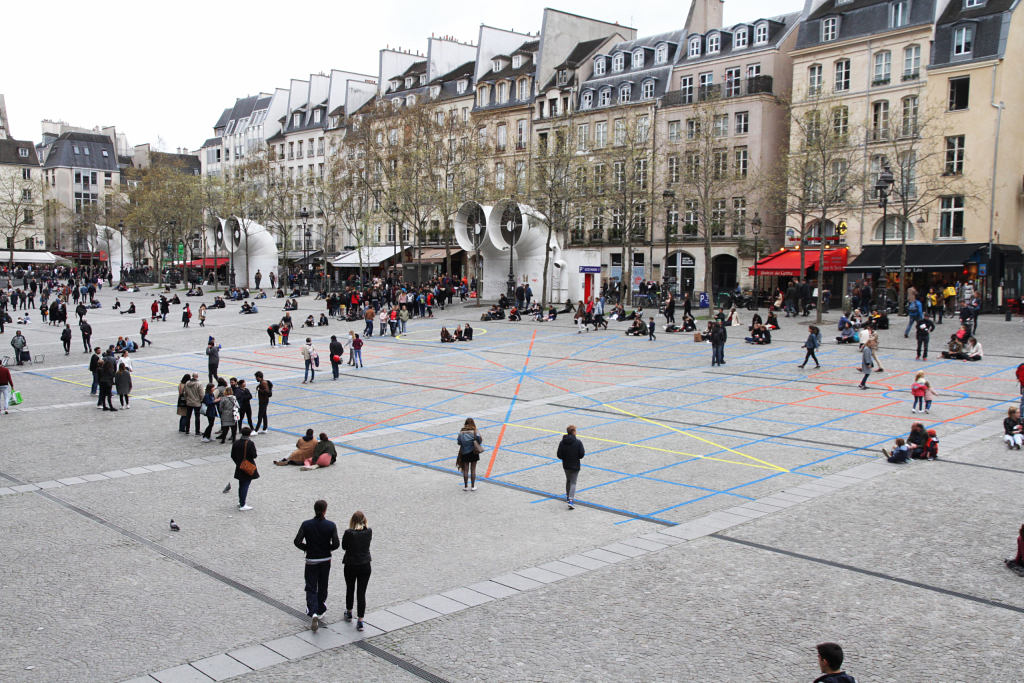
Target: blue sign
{"points": [[704, 301], [590, 269], [982, 270]]}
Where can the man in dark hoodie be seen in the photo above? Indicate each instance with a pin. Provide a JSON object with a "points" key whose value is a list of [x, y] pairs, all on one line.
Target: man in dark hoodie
{"points": [[830, 661], [570, 452], [318, 538]]}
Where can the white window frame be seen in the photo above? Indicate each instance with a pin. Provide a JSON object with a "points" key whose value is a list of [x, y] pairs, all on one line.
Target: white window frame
{"points": [[625, 93], [661, 54], [899, 13], [638, 58], [841, 75], [460, 86], [815, 78], [742, 119], [911, 61], [647, 89], [599, 66], [829, 29], [761, 34], [618, 62], [949, 208], [587, 99], [604, 97], [693, 47], [882, 67], [714, 44], [963, 41], [517, 61], [739, 39]]}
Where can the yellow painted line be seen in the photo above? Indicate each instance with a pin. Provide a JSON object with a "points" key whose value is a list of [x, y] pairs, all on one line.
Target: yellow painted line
{"points": [[137, 398], [154, 379], [436, 334], [699, 438], [773, 468]]}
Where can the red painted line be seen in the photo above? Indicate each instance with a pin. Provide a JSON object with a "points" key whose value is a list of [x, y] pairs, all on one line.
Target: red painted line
{"points": [[501, 434]]}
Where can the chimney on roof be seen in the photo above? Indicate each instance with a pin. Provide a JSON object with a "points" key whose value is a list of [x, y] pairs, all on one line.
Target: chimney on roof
{"points": [[704, 15]]}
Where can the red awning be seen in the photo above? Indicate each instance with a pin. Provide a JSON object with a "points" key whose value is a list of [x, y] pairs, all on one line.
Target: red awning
{"points": [[206, 263], [787, 261]]}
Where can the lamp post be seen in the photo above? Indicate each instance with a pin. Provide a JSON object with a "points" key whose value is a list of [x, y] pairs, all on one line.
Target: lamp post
{"points": [[755, 227], [171, 227], [883, 186], [304, 215], [511, 227], [120, 230], [669, 197]]}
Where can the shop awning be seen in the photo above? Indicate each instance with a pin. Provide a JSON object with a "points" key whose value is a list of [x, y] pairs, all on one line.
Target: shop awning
{"points": [[787, 261], [371, 257], [34, 257], [207, 262], [432, 255], [919, 257]]}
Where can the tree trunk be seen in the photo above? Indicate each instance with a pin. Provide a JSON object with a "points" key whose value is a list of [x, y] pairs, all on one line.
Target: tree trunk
{"points": [[821, 266], [547, 260], [707, 270]]}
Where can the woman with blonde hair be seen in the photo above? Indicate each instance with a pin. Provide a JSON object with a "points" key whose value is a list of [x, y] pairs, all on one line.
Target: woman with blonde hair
{"points": [[470, 446], [356, 544]]}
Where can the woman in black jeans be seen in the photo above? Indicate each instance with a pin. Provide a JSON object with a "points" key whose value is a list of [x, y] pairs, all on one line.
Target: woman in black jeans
{"points": [[356, 544], [210, 408]]}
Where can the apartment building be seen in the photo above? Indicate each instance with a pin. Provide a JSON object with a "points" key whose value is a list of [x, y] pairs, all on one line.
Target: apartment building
{"points": [[971, 84], [21, 191], [238, 133]]}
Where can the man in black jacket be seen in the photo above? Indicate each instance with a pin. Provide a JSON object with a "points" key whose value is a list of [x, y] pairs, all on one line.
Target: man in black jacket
{"points": [[318, 538], [94, 368], [570, 452], [718, 338], [337, 352], [830, 661]]}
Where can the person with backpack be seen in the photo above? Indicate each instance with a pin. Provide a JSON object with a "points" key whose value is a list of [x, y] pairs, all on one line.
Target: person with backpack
{"points": [[914, 310], [264, 391], [318, 538], [812, 343], [470, 446]]}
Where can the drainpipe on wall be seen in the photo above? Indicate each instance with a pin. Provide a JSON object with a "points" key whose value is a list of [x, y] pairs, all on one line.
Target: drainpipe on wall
{"points": [[995, 164]]}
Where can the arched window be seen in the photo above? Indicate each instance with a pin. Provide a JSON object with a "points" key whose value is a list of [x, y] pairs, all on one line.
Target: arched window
{"points": [[618, 62], [648, 89], [739, 38], [604, 98], [625, 92], [661, 54], [638, 58], [587, 100], [893, 225], [694, 47], [714, 43], [599, 66]]}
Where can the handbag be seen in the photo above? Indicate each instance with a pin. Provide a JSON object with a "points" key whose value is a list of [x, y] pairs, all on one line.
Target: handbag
{"points": [[247, 466], [478, 447], [316, 359]]}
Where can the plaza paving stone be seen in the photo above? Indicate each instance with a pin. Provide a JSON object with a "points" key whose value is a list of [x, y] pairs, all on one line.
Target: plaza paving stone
{"points": [[485, 584]]}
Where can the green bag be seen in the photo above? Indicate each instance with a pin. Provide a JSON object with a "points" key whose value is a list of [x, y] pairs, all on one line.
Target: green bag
{"points": [[16, 398]]}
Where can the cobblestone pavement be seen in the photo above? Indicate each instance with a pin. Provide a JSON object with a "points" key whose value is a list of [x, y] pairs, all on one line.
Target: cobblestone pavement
{"points": [[728, 518]]}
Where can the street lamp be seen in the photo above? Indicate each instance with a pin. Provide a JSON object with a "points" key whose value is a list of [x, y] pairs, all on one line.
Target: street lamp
{"points": [[669, 197], [755, 227], [304, 215], [172, 226], [883, 186], [510, 225], [120, 230]]}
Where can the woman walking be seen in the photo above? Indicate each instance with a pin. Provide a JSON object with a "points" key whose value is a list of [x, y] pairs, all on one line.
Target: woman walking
{"points": [[123, 382], [202, 315], [183, 411], [210, 408], [186, 315], [357, 352], [309, 356], [812, 343], [470, 447], [227, 406], [356, 544], [866, 362], [243, 453]]}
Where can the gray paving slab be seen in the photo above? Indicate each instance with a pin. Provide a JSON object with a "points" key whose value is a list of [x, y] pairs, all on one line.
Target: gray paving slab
{"points": [[221, 667], [324, 638], [70, 481], [761, 506], [140, 679], [6, 491], [413, 612], [605, 555], [197, 461], [644, 543], [156, 468], [495, 590], [257, 656], [540, 575], [665, 539], [177, 464], [584, 561], [291, 647], [517, 581], [467, 597], [743, 511], [386, 621], [137, 470], [625, 549], [441, 604], [563, 568], [95, 477], [115, 474], [24, 488], [49, 484], [181, 674]]}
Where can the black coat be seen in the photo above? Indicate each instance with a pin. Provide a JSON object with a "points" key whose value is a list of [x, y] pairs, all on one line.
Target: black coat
{"points": [[244, 448], [570, 452], [356, 543]]}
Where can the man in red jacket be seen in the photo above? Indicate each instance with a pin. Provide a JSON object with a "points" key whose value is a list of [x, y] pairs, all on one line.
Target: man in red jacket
{"points": [[6, 388]]}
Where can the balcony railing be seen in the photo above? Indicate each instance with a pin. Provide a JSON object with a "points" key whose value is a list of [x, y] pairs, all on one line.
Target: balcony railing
{"points": [[756, 85], [911, 75]]}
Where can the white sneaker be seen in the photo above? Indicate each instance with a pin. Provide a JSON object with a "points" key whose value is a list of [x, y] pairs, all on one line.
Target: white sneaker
{"points": [[205, 440], [245, 507], [262, 431], [473, 488], [316, 623]]}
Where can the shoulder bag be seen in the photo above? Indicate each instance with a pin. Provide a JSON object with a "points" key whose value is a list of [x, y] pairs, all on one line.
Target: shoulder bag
{"points": [[247, 466]]}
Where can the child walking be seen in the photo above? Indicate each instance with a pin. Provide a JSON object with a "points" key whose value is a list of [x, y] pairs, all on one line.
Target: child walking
{"points": [[929, 396], [813, 342], [918, 389]]}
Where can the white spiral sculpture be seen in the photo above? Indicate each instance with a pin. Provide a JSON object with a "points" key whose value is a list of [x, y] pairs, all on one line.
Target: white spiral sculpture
{"points": [[249, 244], [111, 240]]}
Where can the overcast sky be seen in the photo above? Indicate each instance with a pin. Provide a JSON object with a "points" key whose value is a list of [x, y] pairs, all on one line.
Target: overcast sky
{"points": [[162, 73]]}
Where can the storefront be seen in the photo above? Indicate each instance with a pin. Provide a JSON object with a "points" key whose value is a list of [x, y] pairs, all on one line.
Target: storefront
{"points": [[996, 272], [776, 270]]}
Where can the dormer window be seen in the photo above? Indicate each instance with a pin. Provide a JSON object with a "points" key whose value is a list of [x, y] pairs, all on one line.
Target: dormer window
{"points": [[604, 98], [502, 93], [396, 103], [587, 100], [625, 93], [460, 86], [599, 66], [563, 76], [647, 91], [523, 89], [23, 152], [517, 61], [408, 82], [760, 34], [410, 101], [423, 79], [899, 13], [739, 38], [693, 49], [829, 29], [714, 43], [968, 4], [963, 41], [296, 119], [483, 96], [495, 65], [395, 84], [435, 90], [638, 59], [334, 121], [618, 62], [661, 54]]}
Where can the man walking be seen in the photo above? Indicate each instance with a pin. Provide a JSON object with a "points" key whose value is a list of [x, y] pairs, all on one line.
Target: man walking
{"points": [[213, 359], [94, 368], [86, 329], [718, 339], [570, 452], [193, 394], [264, 390], [65, 339], [830, 662], [6, 388], [318, 538], [914, 311]]}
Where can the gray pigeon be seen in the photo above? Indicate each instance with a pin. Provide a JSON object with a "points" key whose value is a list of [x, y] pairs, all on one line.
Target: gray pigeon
{"points": [[175, 527]]}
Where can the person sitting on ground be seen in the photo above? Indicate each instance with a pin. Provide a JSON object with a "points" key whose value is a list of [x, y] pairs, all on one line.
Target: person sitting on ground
{"points": [[467, 332], [759, 335], [323, 321], [689, 324], [1017, 563], [733, 319], [880, 321], [972, 351], [899, 455], [309, 322], [618, 312], [1012, 428], [719, 315], [261, 295], [569, 307], [847, 335], [218, 302], [120, 345], [279, 294], [755, 320], [131, 309], [175, 299], [246, 308], [290, 305], [458, 333], [916, 441], [772, 323], [303, 451], [446, 336], [637, 329], [513, 315], [117, 304], [130, 346], [324, 454]]}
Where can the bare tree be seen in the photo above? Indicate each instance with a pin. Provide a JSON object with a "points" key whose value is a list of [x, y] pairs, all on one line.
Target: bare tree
{"points": [[21, 201]]}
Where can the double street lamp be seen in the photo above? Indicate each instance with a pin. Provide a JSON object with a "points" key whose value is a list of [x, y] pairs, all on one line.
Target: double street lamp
{"points": [[755, 227], [304, 215], [883, 187], [511, 225], [120, 231]]}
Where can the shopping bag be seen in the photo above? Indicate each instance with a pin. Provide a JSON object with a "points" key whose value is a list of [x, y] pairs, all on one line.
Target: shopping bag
{"points": [[16, 398]]}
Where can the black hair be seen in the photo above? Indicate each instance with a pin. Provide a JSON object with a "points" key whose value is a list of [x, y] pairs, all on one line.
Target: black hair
{"points": [[832, 653], [320, 508]]}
